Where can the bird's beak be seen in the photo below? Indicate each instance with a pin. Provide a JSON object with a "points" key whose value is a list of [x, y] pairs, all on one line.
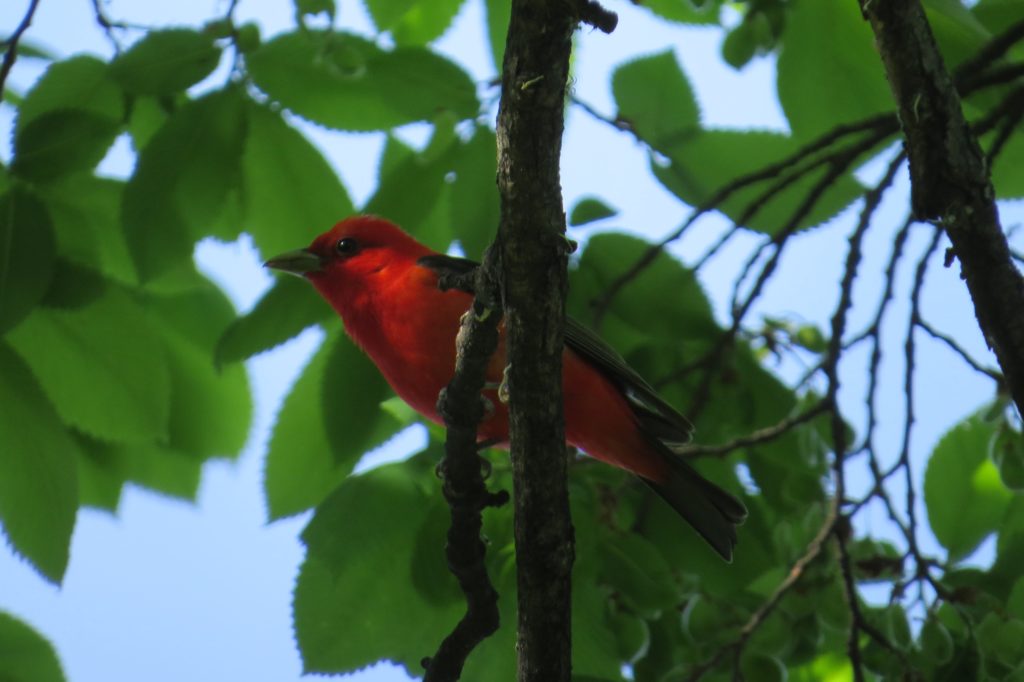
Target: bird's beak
{"points": [[299, 262]]}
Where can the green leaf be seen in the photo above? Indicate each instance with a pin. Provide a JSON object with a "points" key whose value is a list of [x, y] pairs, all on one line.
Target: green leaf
{"points": [[811, 338], [685, 11], [430, 574], [152, 466], [86, 218], [705, 163], [656, 99], [353, 390], [210, 408], [291, 192], [962, 490], [702, 620], [301, 465], [761, 668], [100, 481], [1008, 455], [498, 13], [27, 253], [1001, 638], [589, 210], [637, 571], [73, 286], [632, 636], [897, 627], [607, 256], [1008, 167], [346, 82], [182, 182], [61, 142], [740, 45], [996, 15], [386, 13], [412, 189], [25, 655], [337, 584], [1015, 602], [313, 7], [957, 30], [300, 468], [475, 209], [38, 487], [102, 366], [665, 650], [813, 61], [81, 83], [936, 642], [413, 22], [148, 115], [289, 307], [594, 646], [166, 61]]}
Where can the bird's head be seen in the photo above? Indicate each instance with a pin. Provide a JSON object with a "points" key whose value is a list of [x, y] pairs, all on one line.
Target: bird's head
{"points": [[350, 253]]}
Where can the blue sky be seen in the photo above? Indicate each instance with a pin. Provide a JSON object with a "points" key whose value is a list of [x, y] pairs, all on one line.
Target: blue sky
{"points": [[170, 591]]}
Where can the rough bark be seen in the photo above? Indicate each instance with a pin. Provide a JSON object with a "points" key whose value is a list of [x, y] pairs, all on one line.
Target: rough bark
{"points": [[462, 408], [532, 250], [950, 177]]}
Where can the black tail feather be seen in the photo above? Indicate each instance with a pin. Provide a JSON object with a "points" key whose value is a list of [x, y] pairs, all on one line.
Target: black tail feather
{"points": [[712, 512]]}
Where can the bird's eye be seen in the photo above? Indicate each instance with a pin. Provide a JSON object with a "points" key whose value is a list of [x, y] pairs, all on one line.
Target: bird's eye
{"points": [[346, 246]]}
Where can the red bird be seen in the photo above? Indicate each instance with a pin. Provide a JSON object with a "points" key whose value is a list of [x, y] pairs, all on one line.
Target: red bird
{"points": [[383, 284]]}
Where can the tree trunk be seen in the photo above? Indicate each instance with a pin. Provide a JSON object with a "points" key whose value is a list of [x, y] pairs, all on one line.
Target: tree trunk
{"points": [[532, 250]]}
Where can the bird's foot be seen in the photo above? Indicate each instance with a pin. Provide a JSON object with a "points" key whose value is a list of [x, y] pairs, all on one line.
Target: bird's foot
{"points": [[503, 392]]}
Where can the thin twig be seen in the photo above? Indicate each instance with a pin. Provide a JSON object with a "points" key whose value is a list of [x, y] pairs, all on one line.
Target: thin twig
{"points": [[735, 647], [1010, 123], [880, 127], [871, 201], [11, 53], [995, 49], [908, 386], [838, 165], [959, 350], [765, 435]]}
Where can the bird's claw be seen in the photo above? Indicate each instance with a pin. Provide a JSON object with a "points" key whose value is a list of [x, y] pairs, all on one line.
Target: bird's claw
{"points": [[503, 392]]}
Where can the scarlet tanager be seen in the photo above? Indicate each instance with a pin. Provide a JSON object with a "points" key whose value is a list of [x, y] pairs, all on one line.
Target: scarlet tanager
{"points": [[383, 284]]}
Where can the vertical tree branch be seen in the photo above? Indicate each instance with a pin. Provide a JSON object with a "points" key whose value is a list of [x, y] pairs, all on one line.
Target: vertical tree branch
{"points": [[462, 408], [950, 178], [532, 250]]}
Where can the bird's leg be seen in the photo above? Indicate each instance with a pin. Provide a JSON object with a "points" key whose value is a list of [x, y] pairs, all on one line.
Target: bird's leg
{"points": [[503, 394], [500, 386]]}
